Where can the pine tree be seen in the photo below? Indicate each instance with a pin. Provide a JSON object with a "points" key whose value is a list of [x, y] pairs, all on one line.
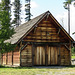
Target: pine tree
{"points": [[17, 12], [27, 10], [5, 25]]}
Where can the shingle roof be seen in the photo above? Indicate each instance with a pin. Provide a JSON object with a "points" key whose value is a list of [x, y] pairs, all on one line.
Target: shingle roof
{"points": [[23, 29]]}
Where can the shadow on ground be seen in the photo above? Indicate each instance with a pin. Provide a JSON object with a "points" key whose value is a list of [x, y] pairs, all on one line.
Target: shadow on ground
{"points": [[40, 67]]}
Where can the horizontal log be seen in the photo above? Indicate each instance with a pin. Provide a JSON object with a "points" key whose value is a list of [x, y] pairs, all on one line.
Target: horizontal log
{"points": [[45, 24], [46, 21], [41, 41]]}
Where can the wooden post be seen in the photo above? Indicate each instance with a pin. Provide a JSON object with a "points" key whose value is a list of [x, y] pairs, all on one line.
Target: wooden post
{"points": [[12, 57], [32, 54], [6, 58], [46, 56], [20, 52], [70, 51], [59, 56]]}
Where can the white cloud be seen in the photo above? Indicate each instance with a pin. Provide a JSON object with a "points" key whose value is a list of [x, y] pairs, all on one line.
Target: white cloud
{"points": [[34, 4], [64, 16], [0, 0]]}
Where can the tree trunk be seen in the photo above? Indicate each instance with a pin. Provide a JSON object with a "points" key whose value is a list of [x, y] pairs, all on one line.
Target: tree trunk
{"points": [[69, 18]]}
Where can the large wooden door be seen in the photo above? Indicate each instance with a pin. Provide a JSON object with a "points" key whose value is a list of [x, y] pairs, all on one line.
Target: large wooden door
{"points": [[52, 55], [39, 55]]}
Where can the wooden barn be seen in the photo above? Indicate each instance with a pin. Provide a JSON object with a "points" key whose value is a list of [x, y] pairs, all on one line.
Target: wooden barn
{"points": [[41, 41]]}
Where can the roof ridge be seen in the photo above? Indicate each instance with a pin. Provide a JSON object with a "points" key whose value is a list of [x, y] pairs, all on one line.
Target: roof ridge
{"points": [[33, 18]]}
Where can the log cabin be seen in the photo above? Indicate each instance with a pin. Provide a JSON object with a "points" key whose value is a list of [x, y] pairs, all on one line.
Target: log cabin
{"points": [[40, 42]]}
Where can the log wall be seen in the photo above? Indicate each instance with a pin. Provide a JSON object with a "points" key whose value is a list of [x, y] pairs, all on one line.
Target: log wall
{"points": [[11, 58], [46, 31], [26, 56], [65, 56], [16, 58], [4, 56]]}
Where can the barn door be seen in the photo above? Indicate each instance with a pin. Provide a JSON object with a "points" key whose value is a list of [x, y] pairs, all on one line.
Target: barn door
{"points": [[39, 55], [52, 54]]}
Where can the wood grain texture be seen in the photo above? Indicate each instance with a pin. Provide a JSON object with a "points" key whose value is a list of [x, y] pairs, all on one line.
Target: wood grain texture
{"points": [[52, 55], [4, 58], [39, 58], [26, 56], [9, 58], [65, 57], [46, 31], [16, 56]]}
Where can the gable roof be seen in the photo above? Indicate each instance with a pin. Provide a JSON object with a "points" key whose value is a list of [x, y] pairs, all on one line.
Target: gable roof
{"points": [[24, 29]]}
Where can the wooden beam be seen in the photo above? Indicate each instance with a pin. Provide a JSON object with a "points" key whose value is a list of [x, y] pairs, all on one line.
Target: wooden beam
{"points": [[20, 51], [12, 57], [59, 56], [6, 58], [58, 31], [33, 54], [70, 51]]}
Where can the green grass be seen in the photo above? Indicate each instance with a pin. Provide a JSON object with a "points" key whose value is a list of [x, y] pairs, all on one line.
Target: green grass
{"points": [[73, 57], [37, 71]]}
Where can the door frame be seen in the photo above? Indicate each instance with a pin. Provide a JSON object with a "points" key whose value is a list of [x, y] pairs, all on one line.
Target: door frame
{"points": [[45, 45]]}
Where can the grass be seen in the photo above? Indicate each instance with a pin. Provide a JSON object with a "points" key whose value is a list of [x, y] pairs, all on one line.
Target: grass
{"points": [[73, 57], [37, 71]]}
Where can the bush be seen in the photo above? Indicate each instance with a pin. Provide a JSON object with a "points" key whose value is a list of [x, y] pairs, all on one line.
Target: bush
{"points": [[73, 50]]}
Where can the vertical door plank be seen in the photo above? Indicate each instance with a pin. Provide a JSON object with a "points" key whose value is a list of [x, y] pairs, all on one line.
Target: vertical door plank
{"points": [[43, 56], [39, 55], [52, 56]]}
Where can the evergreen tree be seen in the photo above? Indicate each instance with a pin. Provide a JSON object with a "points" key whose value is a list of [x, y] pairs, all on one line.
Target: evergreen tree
{"points": [[5, 25], [73, 33], [17, 12], [27, 10]]}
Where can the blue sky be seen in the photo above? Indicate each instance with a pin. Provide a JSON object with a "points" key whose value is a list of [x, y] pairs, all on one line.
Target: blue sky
{"points": [[54, 6], [41, 6]]}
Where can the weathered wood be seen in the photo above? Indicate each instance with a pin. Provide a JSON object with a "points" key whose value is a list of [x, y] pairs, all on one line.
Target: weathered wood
{"points": [[39, 58], [9, 58], [4, 59], [70, 52], [59, 55], [43, 44], [65, 59], [33, 54], [20, 52], [26, 56], [12, 57], [16, 56]]}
